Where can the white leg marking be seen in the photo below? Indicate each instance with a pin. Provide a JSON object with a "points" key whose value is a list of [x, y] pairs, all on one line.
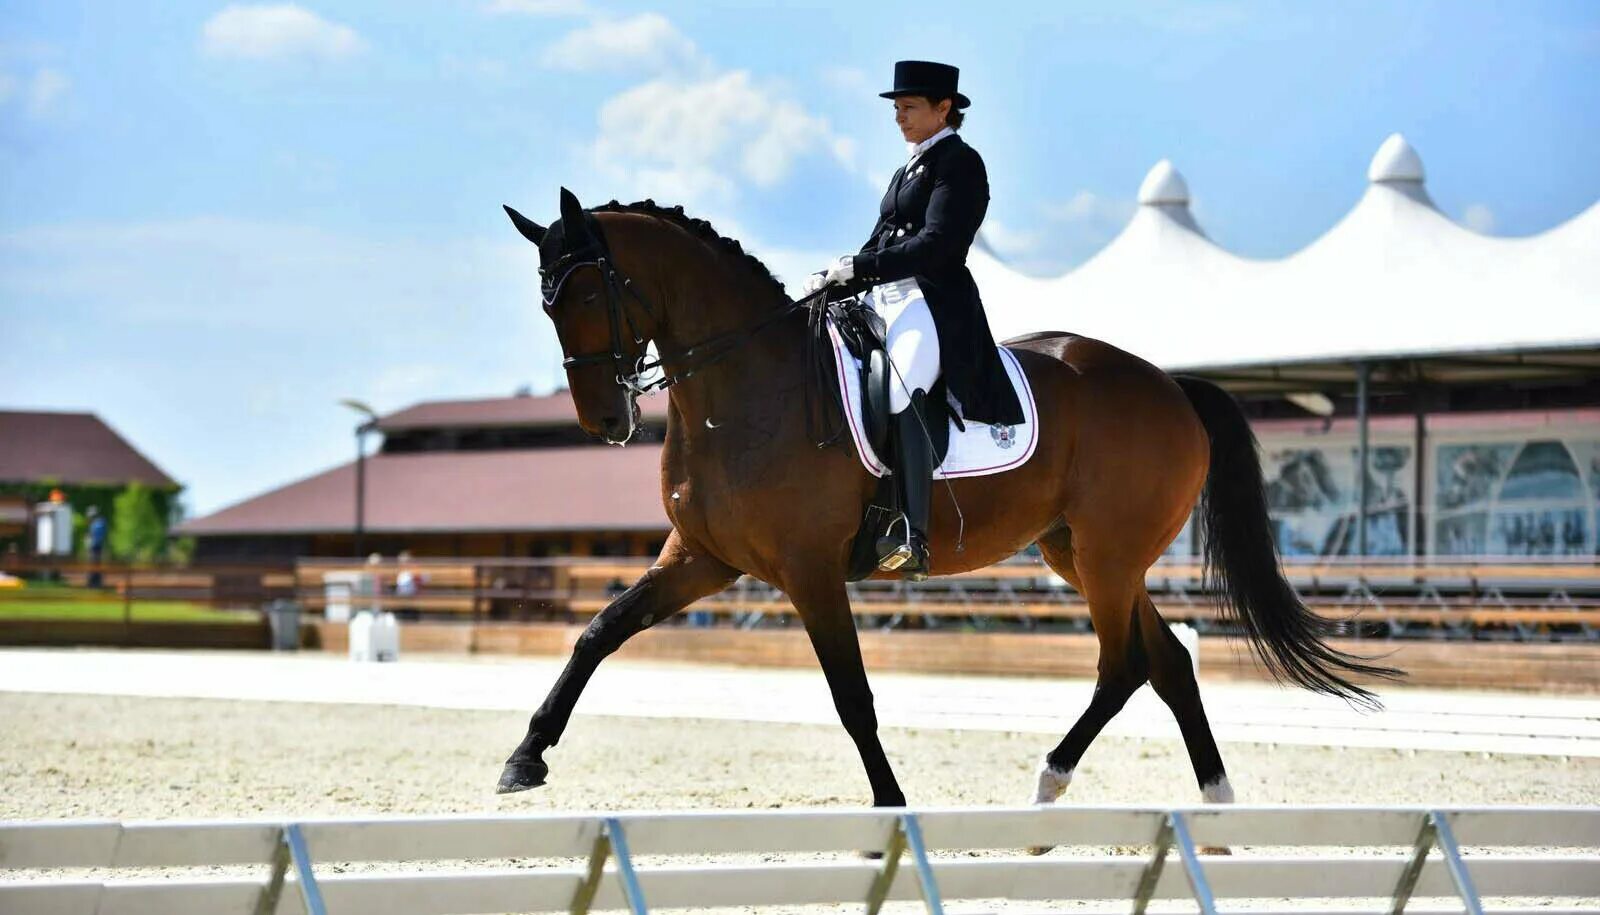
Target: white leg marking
{"points": [[1218, 792], [1052, 782]]}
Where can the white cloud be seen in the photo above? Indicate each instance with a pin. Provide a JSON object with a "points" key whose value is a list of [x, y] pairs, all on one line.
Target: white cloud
{"points": [[38, 93], [697, 141], [1479, 218], [1009, 241], [274, 31], [852, 80], [47, 88], [535, 7], [1087, 207], [648, 42]]}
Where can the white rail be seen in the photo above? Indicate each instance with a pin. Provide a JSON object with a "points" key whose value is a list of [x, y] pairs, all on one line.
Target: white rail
{"points": [[1544, 852]]}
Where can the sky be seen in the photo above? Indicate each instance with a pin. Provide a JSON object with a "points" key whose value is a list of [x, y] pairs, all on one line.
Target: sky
{"points": [[219, 219]]}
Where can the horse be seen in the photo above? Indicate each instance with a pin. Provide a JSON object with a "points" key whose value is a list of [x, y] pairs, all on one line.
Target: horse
{"points": [[1124, 453]]}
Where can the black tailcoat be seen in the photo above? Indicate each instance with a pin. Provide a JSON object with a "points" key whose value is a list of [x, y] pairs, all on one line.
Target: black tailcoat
{"points": [[926, 224]]}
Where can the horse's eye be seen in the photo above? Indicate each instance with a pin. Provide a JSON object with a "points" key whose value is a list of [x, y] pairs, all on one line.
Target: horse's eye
{"points": [[590, 297]]}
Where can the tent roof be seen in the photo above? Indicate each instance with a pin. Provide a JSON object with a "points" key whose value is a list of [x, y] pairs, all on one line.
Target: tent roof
{"points": [[1394, 279]]}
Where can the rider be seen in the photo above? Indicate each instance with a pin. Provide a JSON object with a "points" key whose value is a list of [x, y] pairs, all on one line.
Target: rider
{"points": [[914, 270]]}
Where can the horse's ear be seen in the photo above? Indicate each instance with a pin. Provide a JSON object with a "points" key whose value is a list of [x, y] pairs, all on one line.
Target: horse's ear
{"points": [[574, 226], [530, 230]]}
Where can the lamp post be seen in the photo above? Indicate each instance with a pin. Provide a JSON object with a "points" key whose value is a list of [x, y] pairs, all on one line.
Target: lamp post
{"points": [[369, 424]]}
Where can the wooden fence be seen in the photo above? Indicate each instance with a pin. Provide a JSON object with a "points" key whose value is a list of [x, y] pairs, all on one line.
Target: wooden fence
{"points": [[1499, 600], [1529, 600]]}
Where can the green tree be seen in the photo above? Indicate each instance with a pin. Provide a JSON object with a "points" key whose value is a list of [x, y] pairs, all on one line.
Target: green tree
{"points": [[137, 532]]}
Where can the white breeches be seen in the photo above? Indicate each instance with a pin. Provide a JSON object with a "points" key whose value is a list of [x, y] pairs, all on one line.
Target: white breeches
{"points": [[913, 340]]}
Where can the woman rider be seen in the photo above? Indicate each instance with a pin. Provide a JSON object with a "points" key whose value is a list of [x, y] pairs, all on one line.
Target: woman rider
{"points": [[913, 269]]}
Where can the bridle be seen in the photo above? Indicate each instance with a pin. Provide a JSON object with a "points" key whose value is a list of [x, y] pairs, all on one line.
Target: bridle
{"points": [[617, 286]]}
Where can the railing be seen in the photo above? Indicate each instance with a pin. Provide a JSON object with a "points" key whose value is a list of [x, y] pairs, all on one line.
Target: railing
{"points": [[1486, 598], [1390, 856], [1501, 598]]}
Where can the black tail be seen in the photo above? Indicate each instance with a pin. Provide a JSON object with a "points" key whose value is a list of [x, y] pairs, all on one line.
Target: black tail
{"points": [[1242, 561]]}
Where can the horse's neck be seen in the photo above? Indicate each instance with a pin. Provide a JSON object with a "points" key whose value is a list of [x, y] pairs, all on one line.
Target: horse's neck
{"points": [[758, 359]]}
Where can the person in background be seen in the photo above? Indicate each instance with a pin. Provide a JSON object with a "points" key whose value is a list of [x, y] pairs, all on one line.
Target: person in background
{"points": [[407, 583], [97, 544]]}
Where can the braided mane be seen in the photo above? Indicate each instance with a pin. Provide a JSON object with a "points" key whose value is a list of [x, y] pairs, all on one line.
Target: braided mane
{"points": [[700, 229]]}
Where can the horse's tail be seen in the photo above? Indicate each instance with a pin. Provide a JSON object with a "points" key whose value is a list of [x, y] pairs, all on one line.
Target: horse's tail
{"points": [[1241, 561]]}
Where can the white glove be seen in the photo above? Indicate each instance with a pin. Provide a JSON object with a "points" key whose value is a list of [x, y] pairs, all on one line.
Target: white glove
{"points": [[840, 273]]}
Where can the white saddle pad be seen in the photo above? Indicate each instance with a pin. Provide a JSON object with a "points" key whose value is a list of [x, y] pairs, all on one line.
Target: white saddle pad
{"points": [[979, 451]]}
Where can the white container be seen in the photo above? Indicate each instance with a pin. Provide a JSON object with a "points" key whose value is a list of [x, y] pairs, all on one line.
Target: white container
{"points": [[347, 592], [374, 636], [52, 525]]}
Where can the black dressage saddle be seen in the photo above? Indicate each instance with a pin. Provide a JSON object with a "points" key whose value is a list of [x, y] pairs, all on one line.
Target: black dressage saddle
{"points": [[863, 332]]}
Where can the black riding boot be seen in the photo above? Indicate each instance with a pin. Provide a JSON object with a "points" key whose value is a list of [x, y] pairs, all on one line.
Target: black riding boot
{"points": [[914, 469]]}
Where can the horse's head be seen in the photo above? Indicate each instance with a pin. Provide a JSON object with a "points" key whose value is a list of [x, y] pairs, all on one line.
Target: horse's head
{"points": [[603, 326]]}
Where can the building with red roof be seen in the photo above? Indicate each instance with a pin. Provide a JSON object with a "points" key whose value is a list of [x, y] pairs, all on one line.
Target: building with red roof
{"points": [[77, 457], [510, 476]]}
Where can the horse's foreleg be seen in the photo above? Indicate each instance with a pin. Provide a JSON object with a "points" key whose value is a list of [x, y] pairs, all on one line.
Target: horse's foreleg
{"points": [[824, 605], [680, 577]]}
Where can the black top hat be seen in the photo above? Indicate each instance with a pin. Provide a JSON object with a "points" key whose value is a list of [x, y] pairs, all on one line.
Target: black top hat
{"points": [[924, 77]]}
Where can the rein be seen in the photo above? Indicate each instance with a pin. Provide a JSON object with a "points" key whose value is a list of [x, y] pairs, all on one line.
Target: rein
{"points": [[690, 360]]}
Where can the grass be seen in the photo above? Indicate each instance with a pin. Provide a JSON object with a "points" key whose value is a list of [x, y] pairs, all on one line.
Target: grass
{"points": [[16, 607]]}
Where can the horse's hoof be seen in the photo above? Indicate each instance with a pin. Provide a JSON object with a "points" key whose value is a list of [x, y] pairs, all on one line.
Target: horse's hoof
{"points": [[1053, 782], [521, 776], [1215, 850], [1037, 850]]}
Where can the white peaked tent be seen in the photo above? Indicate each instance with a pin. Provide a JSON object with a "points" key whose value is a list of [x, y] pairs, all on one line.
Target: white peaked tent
{"points": [[1395, 279]]}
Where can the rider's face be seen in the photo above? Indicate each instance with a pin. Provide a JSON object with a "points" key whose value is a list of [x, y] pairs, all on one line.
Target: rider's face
{"points": [[919, 118]]}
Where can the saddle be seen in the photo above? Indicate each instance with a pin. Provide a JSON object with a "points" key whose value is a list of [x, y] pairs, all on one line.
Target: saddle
{"points": [[863, 332]]}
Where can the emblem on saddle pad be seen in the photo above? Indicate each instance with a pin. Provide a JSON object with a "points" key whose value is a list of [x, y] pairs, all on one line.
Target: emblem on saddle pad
{"points": [[1004, 436]]}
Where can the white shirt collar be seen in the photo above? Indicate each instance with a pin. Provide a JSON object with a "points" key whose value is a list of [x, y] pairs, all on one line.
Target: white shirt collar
{"points": [[916, 149]]}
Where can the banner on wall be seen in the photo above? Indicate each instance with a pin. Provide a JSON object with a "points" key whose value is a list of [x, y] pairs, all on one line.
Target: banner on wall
{"points": [[1312, 493], [1533, 498]]}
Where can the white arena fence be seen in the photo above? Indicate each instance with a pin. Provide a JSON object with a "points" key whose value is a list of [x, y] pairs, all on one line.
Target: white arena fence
{"points": [[1391, 857]]}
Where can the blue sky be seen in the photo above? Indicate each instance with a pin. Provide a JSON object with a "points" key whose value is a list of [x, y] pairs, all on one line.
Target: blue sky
{"points": [[218, 219]]}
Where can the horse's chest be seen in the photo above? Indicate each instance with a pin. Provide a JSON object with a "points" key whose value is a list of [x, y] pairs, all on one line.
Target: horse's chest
{"points": [[743, 461]]}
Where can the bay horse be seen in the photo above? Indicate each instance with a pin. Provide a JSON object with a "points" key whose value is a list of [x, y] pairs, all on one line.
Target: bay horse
{"points": [[1124, 452]]}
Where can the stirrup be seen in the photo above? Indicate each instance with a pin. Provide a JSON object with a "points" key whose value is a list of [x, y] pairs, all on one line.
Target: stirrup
{"points": [[893, 553]]}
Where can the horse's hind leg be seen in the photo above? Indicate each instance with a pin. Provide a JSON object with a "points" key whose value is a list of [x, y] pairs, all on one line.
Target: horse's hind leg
{"points": [[680, 576], [1123, 667], [1172, 677]]}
